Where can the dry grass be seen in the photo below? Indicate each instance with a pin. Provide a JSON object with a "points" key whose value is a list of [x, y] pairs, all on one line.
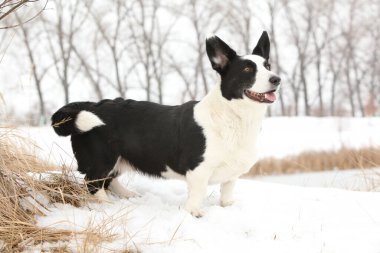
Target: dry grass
{"points": [[65, 188], [345, 158], [16, 157], [22, 197]]}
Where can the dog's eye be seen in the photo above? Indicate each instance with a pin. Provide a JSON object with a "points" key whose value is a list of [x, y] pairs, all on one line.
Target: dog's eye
{"points": [[248, 69], [267, 65]]}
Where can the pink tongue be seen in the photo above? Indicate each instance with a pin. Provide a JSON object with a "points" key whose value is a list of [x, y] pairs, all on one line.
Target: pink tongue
{"points": [[271, 96]]}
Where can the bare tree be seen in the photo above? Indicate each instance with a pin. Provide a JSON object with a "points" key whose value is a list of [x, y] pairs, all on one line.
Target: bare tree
{"points": [[93, 75], [8, 7], [203, 16], [322, 36], [273, 8], [149, 39], [241, 21], [373, 63], [334, 65], [301, 35], [60, 36], [38, 70], [350, 38], [126, 46], [112, 36]]}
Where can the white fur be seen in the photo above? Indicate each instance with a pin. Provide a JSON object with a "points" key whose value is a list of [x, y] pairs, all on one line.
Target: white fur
{"points": [[220, 59], [197, 181], [120, 167], [102, 196], [120, 190], [217, 59], [169, 173], [86, 121], [231, 129], [263, 75], [226, 193]]}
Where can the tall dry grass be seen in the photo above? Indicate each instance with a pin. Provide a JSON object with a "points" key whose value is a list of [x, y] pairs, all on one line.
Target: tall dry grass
{"points": [[345, 158], [23, 197]]}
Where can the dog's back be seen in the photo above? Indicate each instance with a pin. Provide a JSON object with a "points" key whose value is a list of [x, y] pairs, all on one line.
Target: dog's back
{"points": [[151, 137]]}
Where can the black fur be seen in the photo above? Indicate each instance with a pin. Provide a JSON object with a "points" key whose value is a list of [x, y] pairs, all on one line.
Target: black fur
{"points": [[64, 119], [263, 46], [219, 53], [236, 80], [147, 135]]}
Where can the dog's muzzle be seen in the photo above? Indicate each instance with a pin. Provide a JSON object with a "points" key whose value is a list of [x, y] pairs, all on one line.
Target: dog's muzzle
{"points": [[266, 97]]}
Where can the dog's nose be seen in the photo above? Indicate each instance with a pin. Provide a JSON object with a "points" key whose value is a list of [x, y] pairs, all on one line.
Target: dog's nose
{"points": [[275, 80]]}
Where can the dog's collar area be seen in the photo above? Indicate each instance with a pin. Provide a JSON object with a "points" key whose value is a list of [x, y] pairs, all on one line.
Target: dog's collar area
{"points": [[266, 97]]}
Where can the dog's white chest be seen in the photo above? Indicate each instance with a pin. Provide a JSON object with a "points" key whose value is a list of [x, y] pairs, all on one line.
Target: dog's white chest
{"points": [[230, 142], [231, 150]]}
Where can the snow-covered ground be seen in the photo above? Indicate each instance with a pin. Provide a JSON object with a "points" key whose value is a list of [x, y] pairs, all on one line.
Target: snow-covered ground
{"points": [[266, 217], [282, 136], [293, 213], [355, 179]]}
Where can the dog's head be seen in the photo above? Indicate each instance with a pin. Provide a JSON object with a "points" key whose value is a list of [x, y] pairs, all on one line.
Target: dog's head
{"points": [[246, 77]]}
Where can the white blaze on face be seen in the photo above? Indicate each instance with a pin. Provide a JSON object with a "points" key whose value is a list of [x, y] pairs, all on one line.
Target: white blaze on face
{"points": [[263, 75]]}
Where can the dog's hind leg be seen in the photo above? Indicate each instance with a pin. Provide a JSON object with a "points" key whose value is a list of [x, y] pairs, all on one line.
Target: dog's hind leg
{"points": [[115, 186], [102, 196], [97, 186], [96, 158], [120, 190]]}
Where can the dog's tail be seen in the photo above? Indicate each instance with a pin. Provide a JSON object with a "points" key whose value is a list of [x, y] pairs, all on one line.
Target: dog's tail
{"points": [[75, 118]]}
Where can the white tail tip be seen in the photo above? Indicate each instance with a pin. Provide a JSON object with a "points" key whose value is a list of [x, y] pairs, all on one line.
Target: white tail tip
{"points": [[87, 120]]}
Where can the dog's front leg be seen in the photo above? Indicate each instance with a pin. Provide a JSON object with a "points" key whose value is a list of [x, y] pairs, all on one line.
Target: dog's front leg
{"points": [[197, 181], [226, 193]]}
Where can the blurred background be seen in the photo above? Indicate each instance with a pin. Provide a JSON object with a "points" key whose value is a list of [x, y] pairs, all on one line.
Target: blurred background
{"points": [[322, 132], [60, 51], [326, 52]]}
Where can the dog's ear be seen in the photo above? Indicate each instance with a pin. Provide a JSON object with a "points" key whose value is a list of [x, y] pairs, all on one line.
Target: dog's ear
{"points": [[219, 53], [263, 46]]}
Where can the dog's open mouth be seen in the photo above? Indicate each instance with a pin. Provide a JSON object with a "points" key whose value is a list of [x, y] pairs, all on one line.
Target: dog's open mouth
{"points": [[266, 97]]}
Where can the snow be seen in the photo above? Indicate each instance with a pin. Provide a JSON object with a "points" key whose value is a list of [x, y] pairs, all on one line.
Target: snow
{"points": [[309, 212], [50, 146], [355, 179], [284, 136], [266, 217]]}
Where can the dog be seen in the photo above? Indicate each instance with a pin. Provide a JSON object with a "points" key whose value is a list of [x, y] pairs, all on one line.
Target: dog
{"points": [[211, 141]]}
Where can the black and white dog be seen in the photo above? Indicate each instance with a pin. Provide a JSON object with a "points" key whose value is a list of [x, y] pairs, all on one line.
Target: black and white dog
{"points": [[212, 141]]}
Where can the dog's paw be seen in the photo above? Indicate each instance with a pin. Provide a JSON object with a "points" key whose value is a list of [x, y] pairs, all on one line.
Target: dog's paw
{"points": [[130, 194], [102, 197], [121, 191], [225, 203], [126, 195], [196, 212]]}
